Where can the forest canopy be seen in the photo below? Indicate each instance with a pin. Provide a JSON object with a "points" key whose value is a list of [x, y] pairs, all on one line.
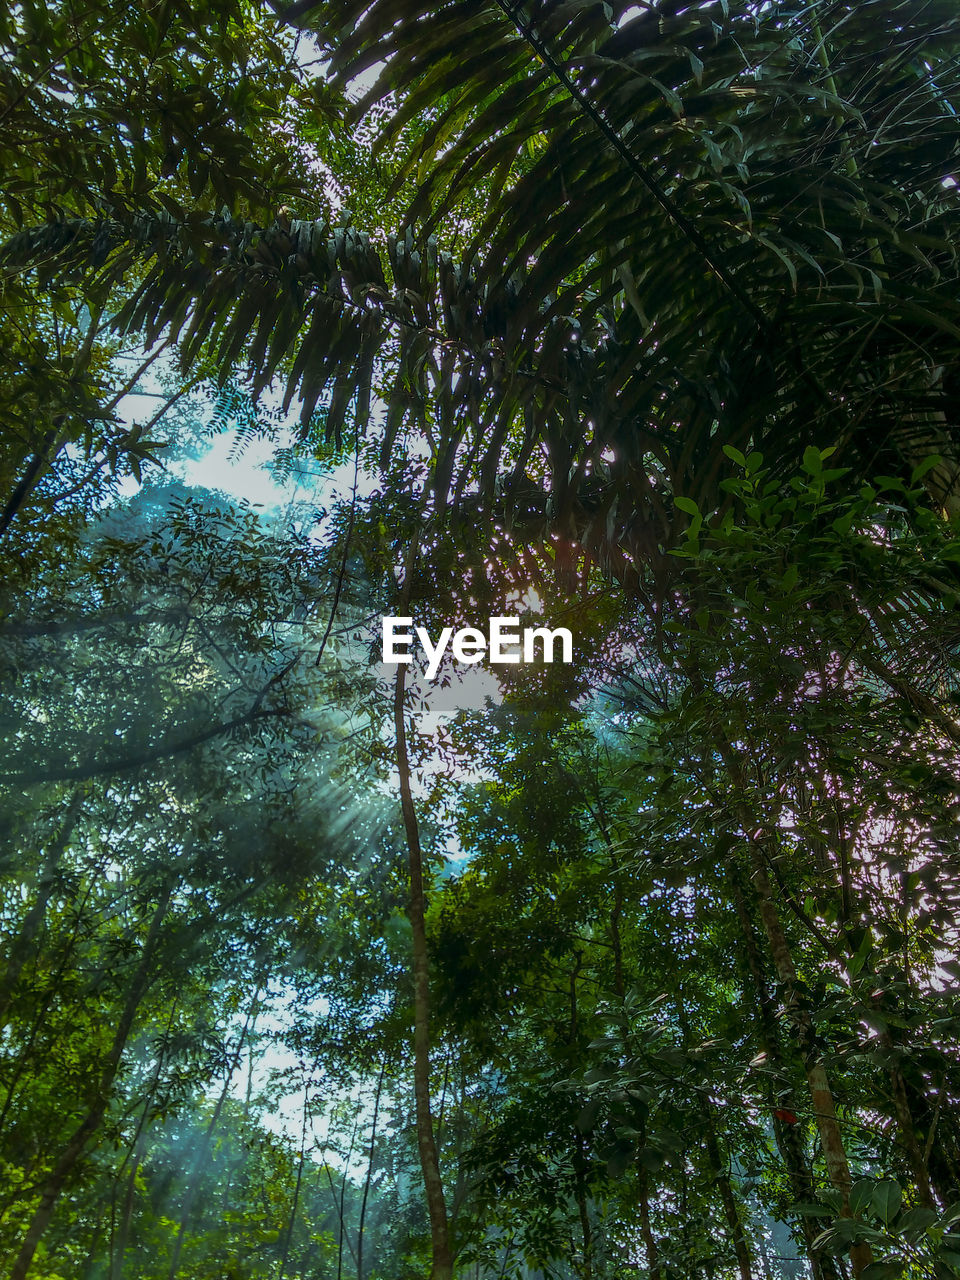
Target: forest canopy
{"points": [[637, 322]]}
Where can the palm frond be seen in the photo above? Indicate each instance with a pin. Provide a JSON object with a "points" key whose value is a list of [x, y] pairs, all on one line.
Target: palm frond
{"points": [[707, 234]]}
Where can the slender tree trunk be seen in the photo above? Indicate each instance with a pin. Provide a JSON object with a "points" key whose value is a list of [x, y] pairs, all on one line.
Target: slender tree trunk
{"points": [[941, 1149], [616, 942], [728, 1200], [369, 1175], [90, 1269], [442, 1263], [288, 1238], [908, 1132], [341, 1206], [906, 1124], [234, 1168], [338, 1201], [37, 463], [77, 1144]]}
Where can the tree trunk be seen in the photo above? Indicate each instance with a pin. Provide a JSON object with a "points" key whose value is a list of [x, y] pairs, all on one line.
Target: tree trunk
{"points": [[442, 1263], [38, 462], [728, 1200], [908, 1133], [369, 1175], [341, 1204]]}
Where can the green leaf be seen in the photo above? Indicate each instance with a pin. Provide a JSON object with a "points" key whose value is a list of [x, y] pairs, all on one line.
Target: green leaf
{"points": [[887, 1269], [687, 505], [886, 1199], [861, 1194], [619, 1162], [927, 465], [812, 460], [916, 1221], [651, 1159], [587, 1119]]}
